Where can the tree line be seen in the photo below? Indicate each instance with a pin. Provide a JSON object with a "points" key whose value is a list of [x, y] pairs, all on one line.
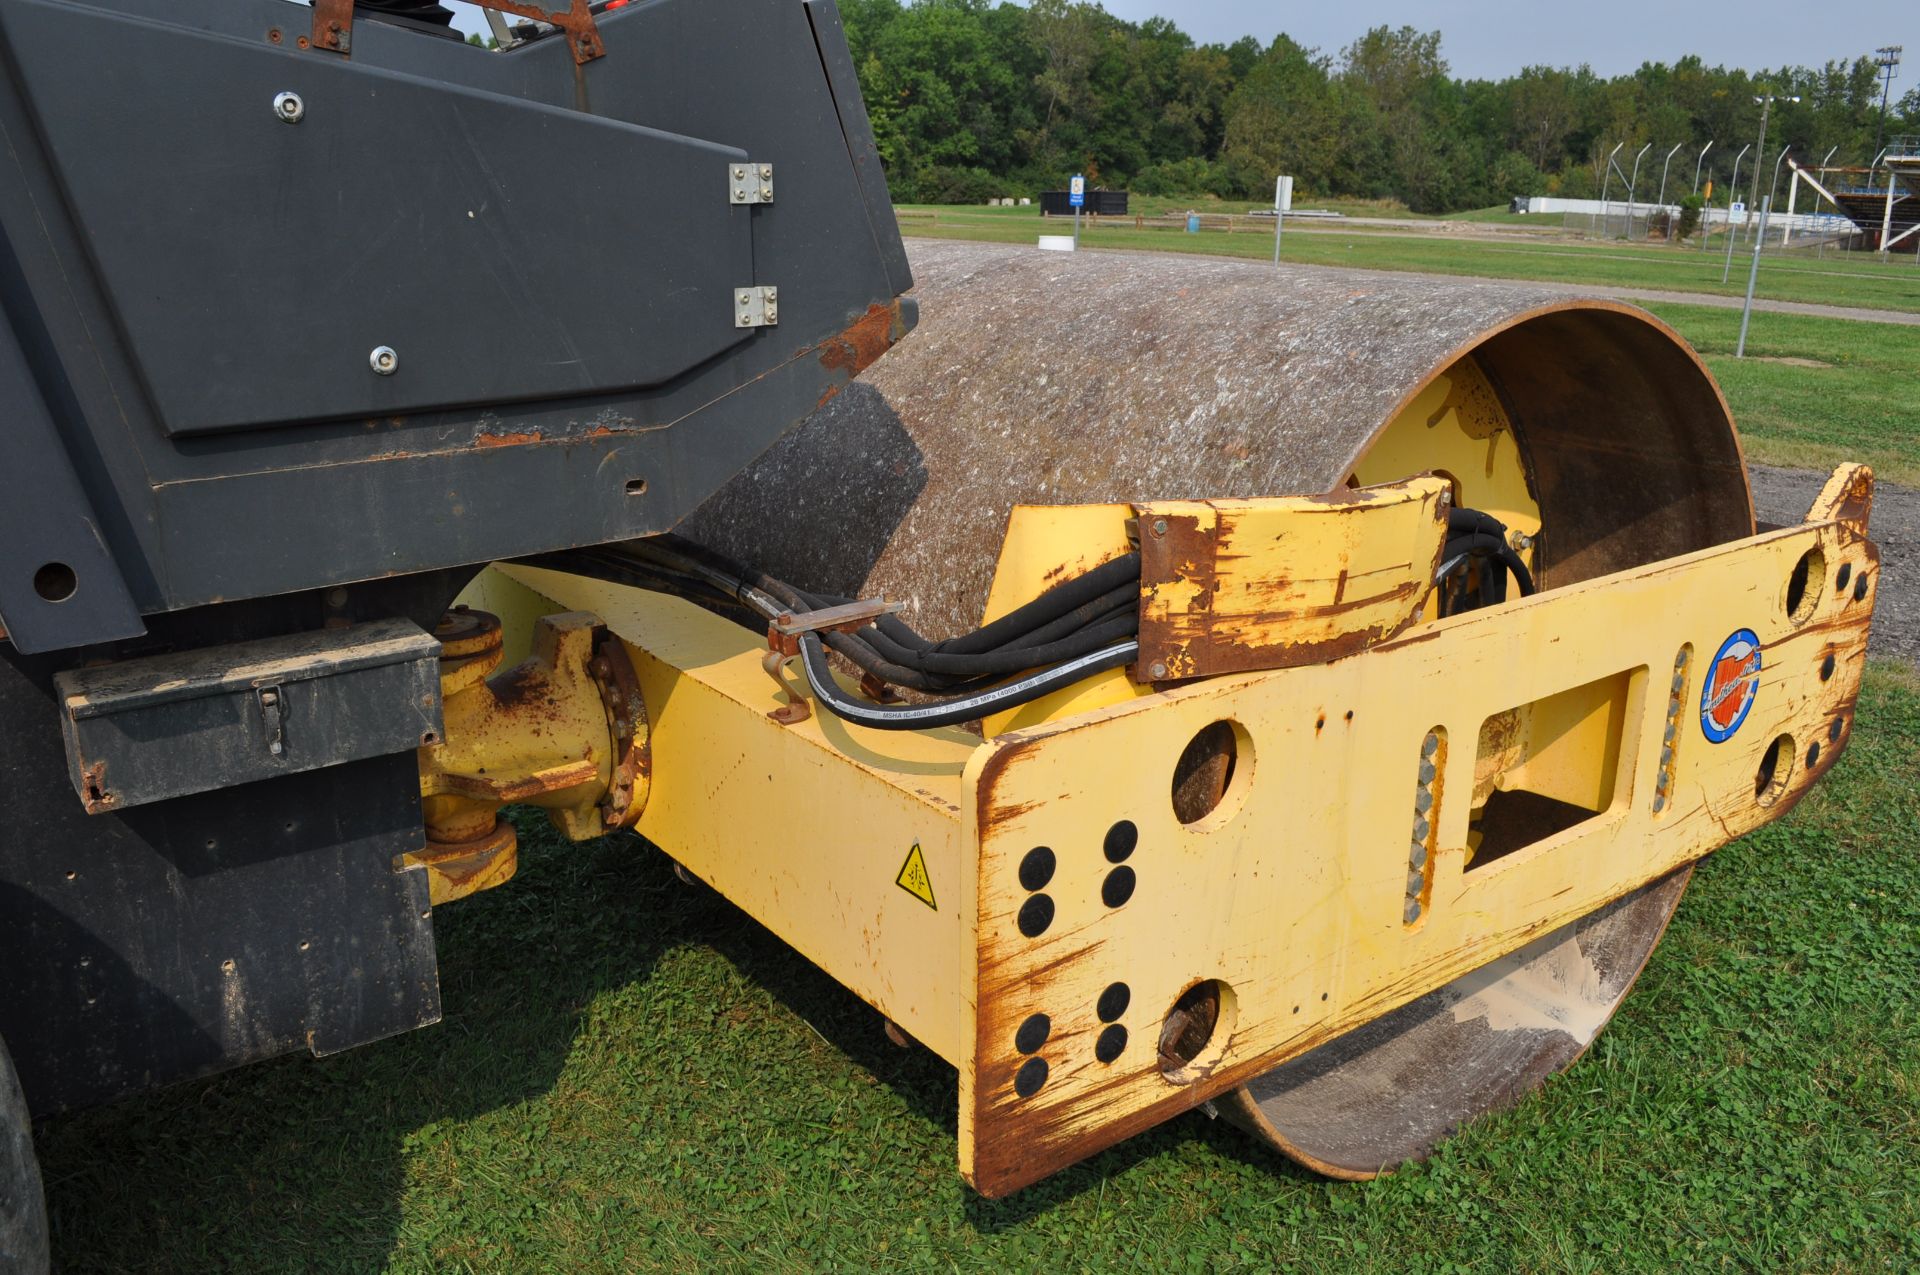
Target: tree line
{"points": [[972, 100]]}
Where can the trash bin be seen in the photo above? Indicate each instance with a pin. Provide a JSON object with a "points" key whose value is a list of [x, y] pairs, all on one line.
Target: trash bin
{"points": [[1193, 223]]}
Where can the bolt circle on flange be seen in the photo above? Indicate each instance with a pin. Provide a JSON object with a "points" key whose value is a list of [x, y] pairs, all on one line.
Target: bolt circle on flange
{"points": [[632, 780], [470, 648]]}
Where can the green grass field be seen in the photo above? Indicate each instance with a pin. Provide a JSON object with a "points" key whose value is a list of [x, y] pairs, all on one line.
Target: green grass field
{"points": [[1833, 280], [634, 1076], [1864, 405], [1861, 405]]}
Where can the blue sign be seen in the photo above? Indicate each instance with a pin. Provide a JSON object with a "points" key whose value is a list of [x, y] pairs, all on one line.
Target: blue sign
{"points": [[1732, 684], [1077, 192]]}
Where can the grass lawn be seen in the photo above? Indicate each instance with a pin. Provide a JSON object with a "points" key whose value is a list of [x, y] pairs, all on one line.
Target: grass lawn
{"points": [[1864, 406], [632, 1075], [1832, 280]]}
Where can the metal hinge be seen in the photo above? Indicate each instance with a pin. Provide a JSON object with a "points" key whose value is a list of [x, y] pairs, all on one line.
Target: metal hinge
{"points": [[750, 183], [756, 307], [273, 718]]}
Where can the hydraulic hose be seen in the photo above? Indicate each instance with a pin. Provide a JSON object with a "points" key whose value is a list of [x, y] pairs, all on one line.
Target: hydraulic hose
{"points": [[965, 708]]}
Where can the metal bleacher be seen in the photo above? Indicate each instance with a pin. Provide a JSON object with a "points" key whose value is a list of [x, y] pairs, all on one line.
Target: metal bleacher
{"points": [[1884, 200]]}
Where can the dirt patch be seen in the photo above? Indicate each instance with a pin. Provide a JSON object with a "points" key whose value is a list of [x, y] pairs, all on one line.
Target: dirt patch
{"points": [[1789, 360]]}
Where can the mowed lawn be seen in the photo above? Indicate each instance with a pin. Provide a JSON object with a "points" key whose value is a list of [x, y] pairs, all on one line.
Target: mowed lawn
{"points": [[1862, 401], [1850, 393], [1853, 279], [634, 1076]]}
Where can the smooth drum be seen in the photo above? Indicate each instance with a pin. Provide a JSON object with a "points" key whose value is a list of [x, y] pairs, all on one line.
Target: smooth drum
{"points": [[1037, 378]]}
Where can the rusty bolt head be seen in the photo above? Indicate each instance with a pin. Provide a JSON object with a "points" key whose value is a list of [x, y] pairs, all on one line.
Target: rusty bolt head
{"points": [[383, 360], [1158, 670], [289, 107], [1159, 526]]}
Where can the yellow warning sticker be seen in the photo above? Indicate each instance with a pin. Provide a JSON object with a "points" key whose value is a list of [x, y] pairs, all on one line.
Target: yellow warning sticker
{"points": [[913, 877]]}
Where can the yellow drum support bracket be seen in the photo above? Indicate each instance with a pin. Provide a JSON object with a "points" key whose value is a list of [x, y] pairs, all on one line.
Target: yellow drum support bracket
{"points": [[1109, 918]]}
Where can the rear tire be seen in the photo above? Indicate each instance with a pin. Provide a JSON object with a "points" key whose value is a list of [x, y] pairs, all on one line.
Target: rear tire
{"points": [[23, 1209]]}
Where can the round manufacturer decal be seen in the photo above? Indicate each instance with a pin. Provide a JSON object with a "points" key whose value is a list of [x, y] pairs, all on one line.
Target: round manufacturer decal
{"points": [[1733, 683]]}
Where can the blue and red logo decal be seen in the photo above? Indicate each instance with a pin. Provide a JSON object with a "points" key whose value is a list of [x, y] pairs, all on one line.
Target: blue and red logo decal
{"points": [[1733, 683]]}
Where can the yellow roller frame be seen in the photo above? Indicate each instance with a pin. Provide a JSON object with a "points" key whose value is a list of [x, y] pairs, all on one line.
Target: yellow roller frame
{"points": [[991, 896]]}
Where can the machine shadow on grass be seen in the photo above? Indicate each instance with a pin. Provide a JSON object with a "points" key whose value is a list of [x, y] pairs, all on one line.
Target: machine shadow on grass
{"points": [[224, 1173], [227, 1173], [929, 1086]]}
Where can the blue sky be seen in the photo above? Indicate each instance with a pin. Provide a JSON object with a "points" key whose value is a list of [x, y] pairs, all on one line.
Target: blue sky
{"points": [[1494, 38]]}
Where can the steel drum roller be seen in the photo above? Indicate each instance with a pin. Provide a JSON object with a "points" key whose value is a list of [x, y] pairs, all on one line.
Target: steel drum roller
{"points": [[1036, 378]]}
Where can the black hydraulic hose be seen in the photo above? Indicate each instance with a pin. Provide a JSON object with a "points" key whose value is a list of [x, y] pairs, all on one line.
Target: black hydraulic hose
{"points": [[966, 708], [1023, 652], [1049, 606], [1487, 545], [1075, 622]]}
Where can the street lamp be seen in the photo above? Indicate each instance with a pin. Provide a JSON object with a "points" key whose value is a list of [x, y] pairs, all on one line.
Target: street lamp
{"points": [[1759, 242], [1888, 60], [1704, 226], [1732, 187], [1606, 180], [1661, 200], [1773, 192], [1632, 184], [1765, 103]]}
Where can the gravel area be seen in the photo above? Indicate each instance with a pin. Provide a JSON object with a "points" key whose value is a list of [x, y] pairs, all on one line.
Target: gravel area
{"points": [[1781, 496]]}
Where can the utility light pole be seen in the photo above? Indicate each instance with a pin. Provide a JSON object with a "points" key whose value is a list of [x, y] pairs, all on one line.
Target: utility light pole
{"points": [[1662, 199], [1632, 184], [1888, 59], [1773, 189], [1605, 180], [1732, 188], [1765, 103], [1705, 225]]}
